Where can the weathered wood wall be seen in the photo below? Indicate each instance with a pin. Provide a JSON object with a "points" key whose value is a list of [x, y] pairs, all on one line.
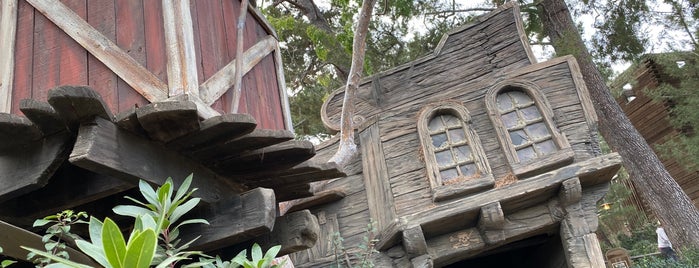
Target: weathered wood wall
{"points": [[46, 57], [651, 118]]}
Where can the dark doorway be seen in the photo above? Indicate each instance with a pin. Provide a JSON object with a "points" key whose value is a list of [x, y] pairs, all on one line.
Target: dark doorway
{"points": [[541, 251]]}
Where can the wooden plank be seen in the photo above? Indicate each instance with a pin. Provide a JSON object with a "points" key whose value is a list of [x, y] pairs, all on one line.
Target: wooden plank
{"points": [[45, 73], [291, 192], [16, 131], [294, 231], [24, 55], [205, 111], [213, 46], [233, 220], [156, 56], [12, 237], [179, 44], [78, 104], [306, 172], [320, 198], [103, 49], [274, 157], [43, 116], [130, 37], [128, 120], [414, 242], [258, 138], [8, 30], [215, 130], [219, 83], [101, 14], [168, 120], [103, 148], [376, 179], [281, 83], [72, 57]]}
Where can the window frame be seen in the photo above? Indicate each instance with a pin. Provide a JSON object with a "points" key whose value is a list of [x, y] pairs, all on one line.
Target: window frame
{"points": [[440, 191], [563, 155]]}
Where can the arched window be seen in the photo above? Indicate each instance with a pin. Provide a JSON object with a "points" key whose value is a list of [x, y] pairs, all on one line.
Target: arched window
{"points": [[523, 120], [453, 154]]}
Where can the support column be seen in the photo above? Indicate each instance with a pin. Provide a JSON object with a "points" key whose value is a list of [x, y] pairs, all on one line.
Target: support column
{"points": [[580, 244]]}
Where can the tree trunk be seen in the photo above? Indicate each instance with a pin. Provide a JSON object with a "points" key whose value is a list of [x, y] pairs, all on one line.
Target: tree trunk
{"points": [[655, 186], [347, 147]]}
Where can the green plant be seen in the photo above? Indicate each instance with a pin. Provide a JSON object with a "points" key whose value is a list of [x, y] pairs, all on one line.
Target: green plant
{"points": [[688, 259], [363, 255], [5, 263], [258, 259], [56, 235]]}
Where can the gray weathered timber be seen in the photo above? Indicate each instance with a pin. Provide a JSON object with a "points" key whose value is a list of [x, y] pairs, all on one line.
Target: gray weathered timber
{"points": [[258, 138], [309, 171], [233, 219], [274, 157], [104, 148], [376, 180], [168, 120], [16, 131], [128, 120], [78, 104], [43, 116], [293, 191], [319, 198], [294, 231], [215, 130]]}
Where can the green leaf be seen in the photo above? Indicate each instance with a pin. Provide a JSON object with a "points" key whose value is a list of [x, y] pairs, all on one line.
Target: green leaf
{"points": [[132, 211], [148, 193], [67, 263], [95, 252], [272, 252], [41, 222], [6, 263], [191, 221], [95, 231], [140, 250], [163, 191], [113, 243], [184, 187], [184, 208], [256, 252]]}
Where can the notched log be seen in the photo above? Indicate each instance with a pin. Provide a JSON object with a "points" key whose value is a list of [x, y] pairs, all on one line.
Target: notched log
{"points": [[414, 242], [294, 232], [78, 104], [43, 116], [168, 120]]}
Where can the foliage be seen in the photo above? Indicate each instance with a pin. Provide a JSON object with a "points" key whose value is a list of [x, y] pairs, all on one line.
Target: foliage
{"points": [[689, 259], [344, 257], [153, 241], [5, 263]]}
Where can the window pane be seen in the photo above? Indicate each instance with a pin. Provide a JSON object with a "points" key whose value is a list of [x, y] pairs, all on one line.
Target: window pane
{"points": [[438, 140], [469, 170], [451, 121], [435, 124], [444, 158], [457, 135], [463, 153], [538, 131], [521, 98], [526, 154], [448, 174], [504, 102], [546, 147], [531, 113], [510, 120], [518, 137]]}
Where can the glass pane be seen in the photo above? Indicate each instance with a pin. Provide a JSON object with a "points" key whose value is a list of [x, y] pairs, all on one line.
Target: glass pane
{"points": [[438, 140], [463, 153], [468, 170], [457, 135], [448, 174], [521, 98], [518, 137], [546, 147], [451, 121], [444, 158], [510, 120], [538, 131], [504, 102], [531, 113], [526, 154], [435, 124]]}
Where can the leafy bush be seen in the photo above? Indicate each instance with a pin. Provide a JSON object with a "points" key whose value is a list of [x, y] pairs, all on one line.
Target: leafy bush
{"points": [[689, 259]]}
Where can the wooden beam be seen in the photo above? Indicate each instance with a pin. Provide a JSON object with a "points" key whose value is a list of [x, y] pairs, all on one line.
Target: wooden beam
{"points": [[491, 223], [78, 104], [8, 31], [294, 191], [294, 232], [104, 148], [179, 43], [281, 81], [274, 157], [168, 120], [312, 170], [320, 198], [17, 131], [423, 261], [219, 83], [214, 130], [258, 138], [43, 116], [12, 237], [414, 242], [205, 111], [233, 220], [117, 60], [376, 179]]}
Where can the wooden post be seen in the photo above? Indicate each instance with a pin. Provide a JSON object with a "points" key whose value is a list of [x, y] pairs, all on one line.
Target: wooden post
{"points": [[179, 43], [378, 188], [8, 30], [580, 244]]}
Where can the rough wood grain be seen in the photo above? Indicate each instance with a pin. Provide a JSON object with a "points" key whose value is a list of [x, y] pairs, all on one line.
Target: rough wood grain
{"points": [[103, 148], [293, 191], [293, 231], [78, 104], [414, 242], [179, 44], [274, 157], [168, 120], [319, 198], [43, 116], [17, 131], [215, 130], [103, 49], [8, 30], [311, 170], [256, 139], [376, 179], [233, 219], [281, 82]]}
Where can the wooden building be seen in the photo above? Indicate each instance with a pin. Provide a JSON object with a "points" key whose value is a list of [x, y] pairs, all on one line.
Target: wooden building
{"points": [[651, 117], [474, 156], [97, 94]]}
